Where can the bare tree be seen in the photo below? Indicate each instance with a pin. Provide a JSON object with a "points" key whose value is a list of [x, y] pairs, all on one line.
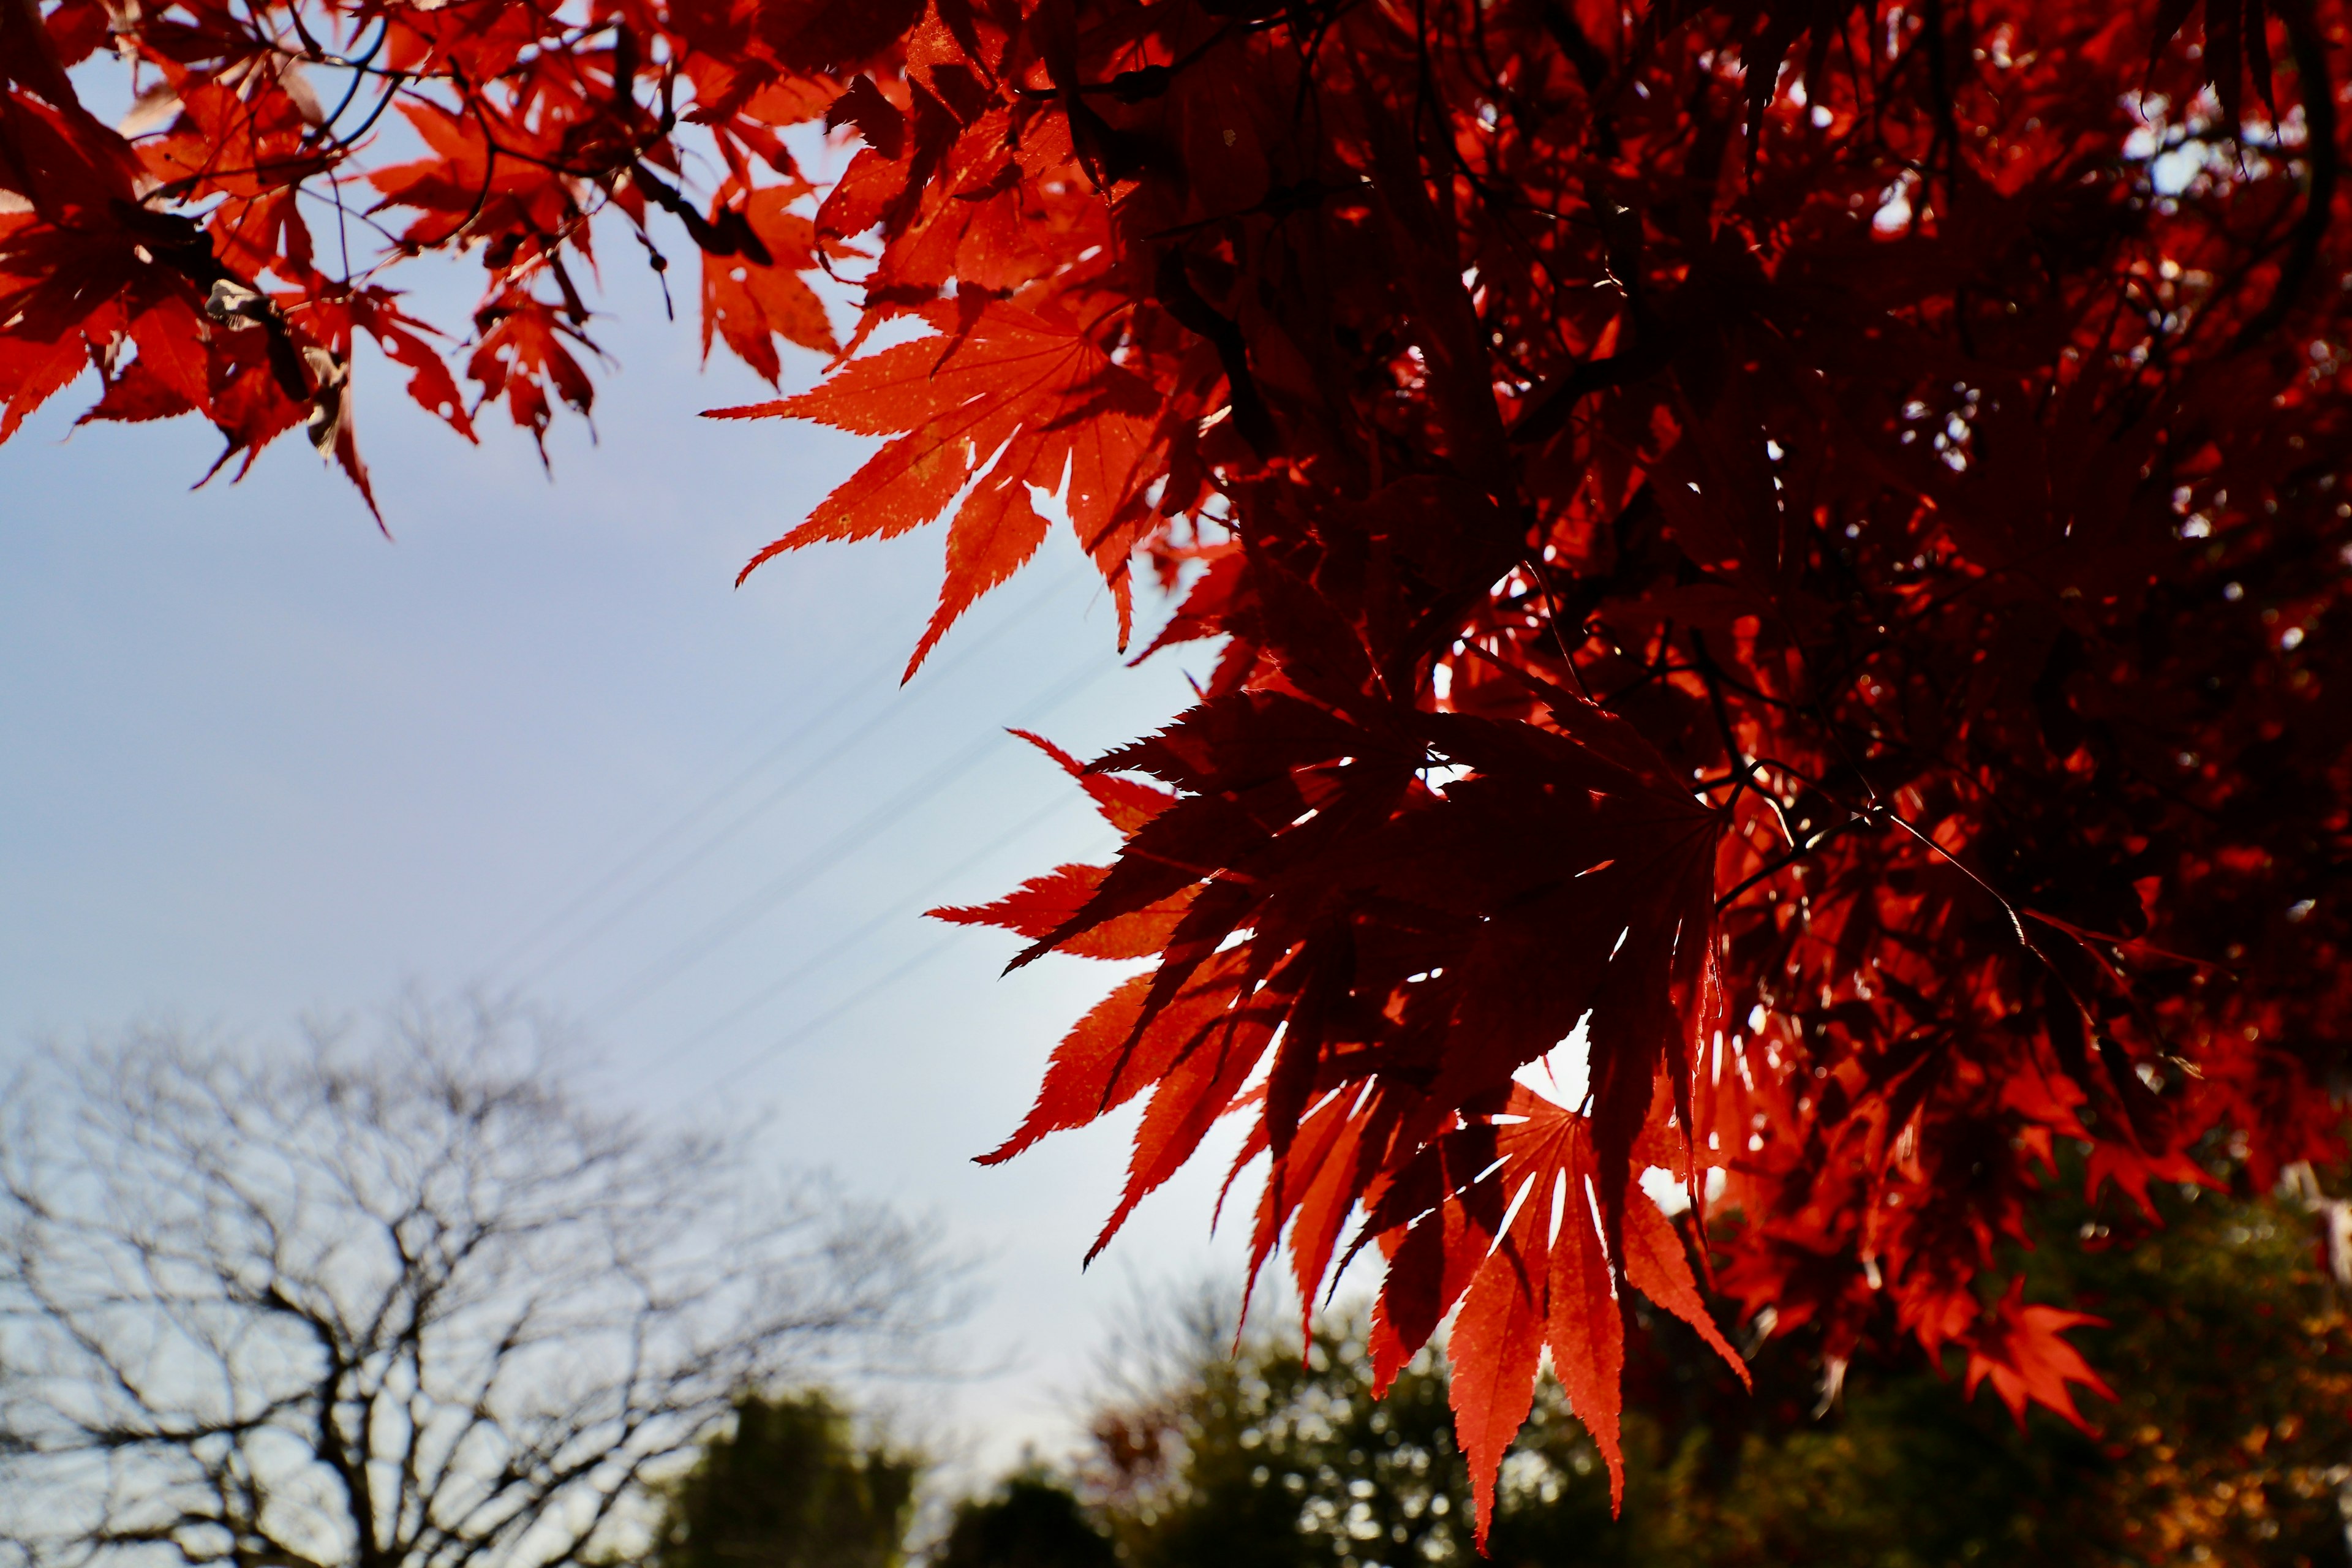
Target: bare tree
{"points": [[391, 1300]]}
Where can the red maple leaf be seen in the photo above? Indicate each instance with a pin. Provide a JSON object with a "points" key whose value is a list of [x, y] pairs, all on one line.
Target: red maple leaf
{"points": [[1002, 401], [1823, 585], [2020, 1351]]}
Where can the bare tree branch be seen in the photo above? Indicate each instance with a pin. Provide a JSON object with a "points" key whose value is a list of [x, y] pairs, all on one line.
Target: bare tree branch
{"points": [[391, 1300]]}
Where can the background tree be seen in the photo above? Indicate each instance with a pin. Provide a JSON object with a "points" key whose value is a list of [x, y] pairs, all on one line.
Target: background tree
{"points": [[389, 1298], [2228, 1442], [1031, 1520], [1791, 556], [787, 1485], [1277, 1456]]}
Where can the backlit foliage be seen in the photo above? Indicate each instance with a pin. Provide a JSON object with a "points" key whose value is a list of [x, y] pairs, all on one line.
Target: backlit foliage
{"points": [[1787, 555]]}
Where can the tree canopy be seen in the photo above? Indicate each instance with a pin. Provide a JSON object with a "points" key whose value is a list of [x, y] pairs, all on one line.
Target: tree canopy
{"points": [[1030, 1521], [1782, 559], [2226, 1446], [787, 1486]]}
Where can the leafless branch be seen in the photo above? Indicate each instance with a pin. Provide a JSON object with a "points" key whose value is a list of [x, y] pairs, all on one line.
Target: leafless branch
{"points": [[393, 1298]]}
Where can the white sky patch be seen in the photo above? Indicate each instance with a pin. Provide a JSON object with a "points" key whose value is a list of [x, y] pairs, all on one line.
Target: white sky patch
{"points": [[1438, 776], [1666, 1189], [1053, 505], [1894, 214], [1564, 1073]]}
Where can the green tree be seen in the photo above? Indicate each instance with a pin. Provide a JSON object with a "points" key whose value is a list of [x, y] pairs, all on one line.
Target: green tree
{"points": [[2228, 1442], [1276, 1459], [789, 1486], [1032, 1521]]}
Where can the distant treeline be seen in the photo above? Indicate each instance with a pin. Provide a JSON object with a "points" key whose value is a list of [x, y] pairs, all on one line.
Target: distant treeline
{"points": [[2230, 1442]]}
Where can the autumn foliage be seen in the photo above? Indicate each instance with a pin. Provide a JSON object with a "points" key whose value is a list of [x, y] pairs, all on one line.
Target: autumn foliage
{"points": [[1791, 554]]}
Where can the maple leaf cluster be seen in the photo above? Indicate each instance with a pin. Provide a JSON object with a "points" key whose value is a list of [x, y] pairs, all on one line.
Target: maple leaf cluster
{"points": [[1784, 561]]}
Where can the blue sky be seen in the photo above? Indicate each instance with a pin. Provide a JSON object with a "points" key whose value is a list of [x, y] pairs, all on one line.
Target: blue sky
{"points": [[260, 761]]}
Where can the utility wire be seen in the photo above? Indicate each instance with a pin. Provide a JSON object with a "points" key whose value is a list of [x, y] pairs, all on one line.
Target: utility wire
{"points": [[695, 815], [855, 999], [677, 827], [652, 977], [865, 994], [850, 939]]}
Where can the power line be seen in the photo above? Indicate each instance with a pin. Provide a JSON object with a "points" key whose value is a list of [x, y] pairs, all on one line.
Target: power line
{"points": [[709, 846], [712, 842], [663, 969], [686, 954], [679, 826], [864, 993], [842, 944]]}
